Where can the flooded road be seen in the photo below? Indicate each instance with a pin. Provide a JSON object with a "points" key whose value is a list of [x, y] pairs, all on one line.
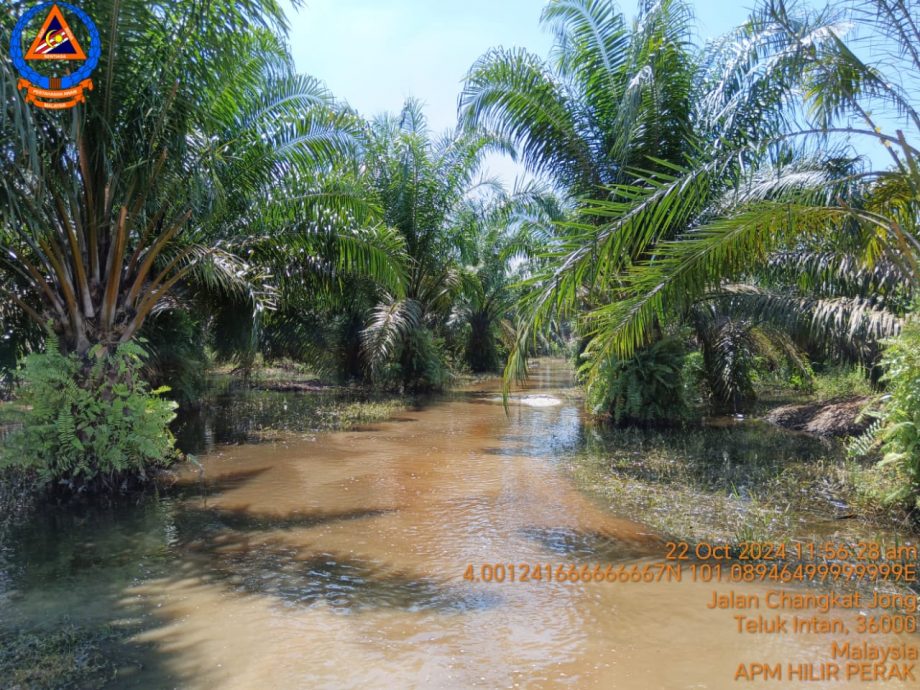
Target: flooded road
{"points": [[337, 560]]}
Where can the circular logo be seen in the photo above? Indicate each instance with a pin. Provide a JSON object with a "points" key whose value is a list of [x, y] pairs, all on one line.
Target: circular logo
{"points": [[55, 40]]}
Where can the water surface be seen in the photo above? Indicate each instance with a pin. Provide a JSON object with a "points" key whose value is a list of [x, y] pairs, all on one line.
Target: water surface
{"points": [[336, 560]]}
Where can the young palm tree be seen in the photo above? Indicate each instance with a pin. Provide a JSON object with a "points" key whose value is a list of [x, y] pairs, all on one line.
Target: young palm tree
{"points": [[490, 243]]}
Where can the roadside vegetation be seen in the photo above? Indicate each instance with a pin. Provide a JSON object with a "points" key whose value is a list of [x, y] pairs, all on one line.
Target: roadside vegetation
{"points": [[707, 229]]}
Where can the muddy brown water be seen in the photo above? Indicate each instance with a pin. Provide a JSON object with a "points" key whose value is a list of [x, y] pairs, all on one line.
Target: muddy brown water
{"points": [[336, 560]]}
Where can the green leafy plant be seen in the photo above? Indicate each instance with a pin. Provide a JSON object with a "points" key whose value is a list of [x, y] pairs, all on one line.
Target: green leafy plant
{"points": [[696, 390], [897, 431], [645, 389], [92, 421]]}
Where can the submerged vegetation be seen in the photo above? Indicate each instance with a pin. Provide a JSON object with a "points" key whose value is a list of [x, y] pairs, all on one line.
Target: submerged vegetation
{"points": [[708, 221], [723, 485], [68, 657]]}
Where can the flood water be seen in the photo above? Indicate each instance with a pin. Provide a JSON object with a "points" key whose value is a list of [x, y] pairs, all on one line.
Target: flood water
{"points": [[336, 560]]}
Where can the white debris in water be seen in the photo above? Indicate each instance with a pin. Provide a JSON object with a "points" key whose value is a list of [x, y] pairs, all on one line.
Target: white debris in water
{"points": [[533, 400], [541, 401]]}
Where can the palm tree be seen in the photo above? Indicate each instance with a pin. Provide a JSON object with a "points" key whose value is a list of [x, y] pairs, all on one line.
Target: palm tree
{"points": [[199, 133], [199, 167], [328, 251], [753, 183], [611, 96], [612, 105], [422, 184], [844, 232], [499, 236]]}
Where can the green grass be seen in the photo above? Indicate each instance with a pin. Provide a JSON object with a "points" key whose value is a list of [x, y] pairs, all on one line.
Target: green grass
{"points": [[330, 415], [68, 657], [842, 381], [282, 371], [750, 481], [830, 383], [347, 415]]}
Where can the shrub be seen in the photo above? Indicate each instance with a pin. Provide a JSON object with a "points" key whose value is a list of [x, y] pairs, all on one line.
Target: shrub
{"points": [[901, 432], [92, 421], [898, 428], [419, 365], [645, 389], [842, 381], [694, 380]]}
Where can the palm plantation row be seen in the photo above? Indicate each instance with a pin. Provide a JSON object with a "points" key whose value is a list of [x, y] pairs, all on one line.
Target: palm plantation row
{"points": [[702, 216]]}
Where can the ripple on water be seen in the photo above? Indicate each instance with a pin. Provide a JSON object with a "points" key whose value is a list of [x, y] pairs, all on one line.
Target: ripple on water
{"points": [[583, 545], [343, 583], [338, 562]]}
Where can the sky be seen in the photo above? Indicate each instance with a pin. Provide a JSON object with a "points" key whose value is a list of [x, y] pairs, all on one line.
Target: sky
{"points": [[374, 54]]}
